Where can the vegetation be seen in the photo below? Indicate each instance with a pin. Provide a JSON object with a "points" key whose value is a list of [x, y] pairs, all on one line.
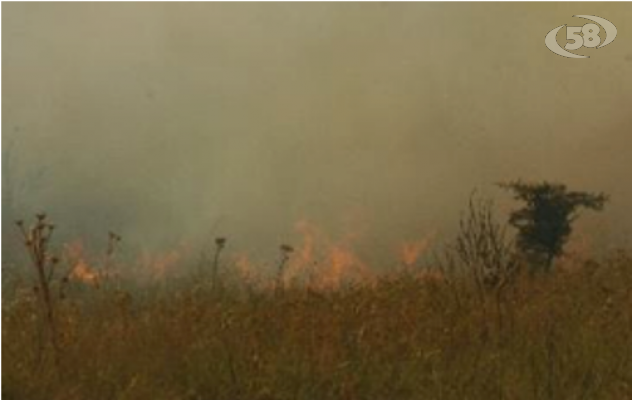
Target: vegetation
{"points": [[544, 223], [471, 326], [565, 336]]}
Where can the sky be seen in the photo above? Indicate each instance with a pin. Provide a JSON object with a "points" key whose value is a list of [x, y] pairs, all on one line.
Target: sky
{"points": [[167, 122]]}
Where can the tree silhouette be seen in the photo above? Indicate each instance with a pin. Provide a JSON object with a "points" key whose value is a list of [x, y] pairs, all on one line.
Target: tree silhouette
{"points": [[544, 224]]}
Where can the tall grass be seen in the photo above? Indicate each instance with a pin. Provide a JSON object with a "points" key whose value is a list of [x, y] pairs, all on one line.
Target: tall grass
{"points": [[564, 335]]}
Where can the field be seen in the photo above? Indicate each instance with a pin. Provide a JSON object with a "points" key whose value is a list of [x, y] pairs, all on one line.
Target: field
{"points": [[411, 334]]}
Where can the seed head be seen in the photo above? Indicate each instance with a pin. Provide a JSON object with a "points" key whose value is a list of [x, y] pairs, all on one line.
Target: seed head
{"points": [[285, 248]]}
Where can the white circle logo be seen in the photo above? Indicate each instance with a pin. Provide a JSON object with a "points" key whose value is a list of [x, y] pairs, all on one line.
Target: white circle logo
{"points": [[589, 36]]}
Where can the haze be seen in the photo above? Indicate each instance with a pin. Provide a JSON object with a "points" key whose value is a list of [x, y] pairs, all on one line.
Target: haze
{"points": [[166, 121]]}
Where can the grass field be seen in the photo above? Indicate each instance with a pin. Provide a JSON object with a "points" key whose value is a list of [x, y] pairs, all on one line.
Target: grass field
{"points": [[562, 335]]}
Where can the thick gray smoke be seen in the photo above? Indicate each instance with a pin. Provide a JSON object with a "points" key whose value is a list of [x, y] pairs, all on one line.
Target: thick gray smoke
{"points": [[170, 121]]}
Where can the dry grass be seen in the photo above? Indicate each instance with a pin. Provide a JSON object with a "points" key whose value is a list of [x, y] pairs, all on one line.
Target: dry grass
{"points": [[558, 336]]}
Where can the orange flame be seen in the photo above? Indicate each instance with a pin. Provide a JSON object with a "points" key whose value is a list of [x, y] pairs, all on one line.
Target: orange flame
{"points": [[410, 251], [335, 264], [80, 269], [319, 261], [158, 266], [246, 270], [82, 272]]}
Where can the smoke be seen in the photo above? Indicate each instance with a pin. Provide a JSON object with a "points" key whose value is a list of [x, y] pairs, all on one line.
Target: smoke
{"points": [[170, 121]]}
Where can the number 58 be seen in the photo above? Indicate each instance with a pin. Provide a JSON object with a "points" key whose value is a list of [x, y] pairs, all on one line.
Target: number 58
{"points": [[590, 39]]}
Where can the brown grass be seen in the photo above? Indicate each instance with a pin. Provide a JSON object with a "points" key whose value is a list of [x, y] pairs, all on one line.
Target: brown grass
{"points": [[564, 335]]}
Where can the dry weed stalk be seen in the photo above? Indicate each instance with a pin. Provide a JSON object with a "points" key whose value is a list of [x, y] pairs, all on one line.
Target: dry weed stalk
{"points": [[220, 244], [483, 248], [113, 241], [483, 252], [286, 250], [36, 240]]}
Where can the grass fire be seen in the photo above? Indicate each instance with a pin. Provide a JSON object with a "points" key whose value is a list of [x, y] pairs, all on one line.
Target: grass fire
{"points": [[481, 319], [284, 201]]}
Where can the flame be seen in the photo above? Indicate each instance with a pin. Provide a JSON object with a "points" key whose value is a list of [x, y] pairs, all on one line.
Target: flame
{"points": [[246, 270], [158, 266], [80, 269], [344, 264], [303, 260], [82, 272], [410, 251], [319, 261], [243, 265], [325, 263], [165, 264]]}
